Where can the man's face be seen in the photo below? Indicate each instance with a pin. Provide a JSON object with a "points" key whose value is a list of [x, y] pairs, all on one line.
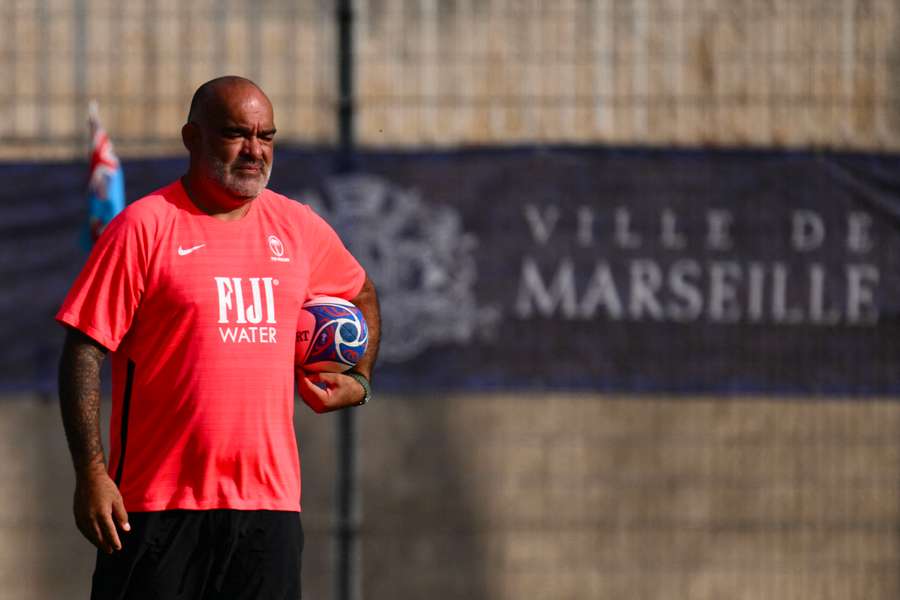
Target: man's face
{"points": [[237, 141]]}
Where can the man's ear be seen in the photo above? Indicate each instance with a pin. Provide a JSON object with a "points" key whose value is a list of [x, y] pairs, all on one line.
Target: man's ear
{"points": [[190, 136]]}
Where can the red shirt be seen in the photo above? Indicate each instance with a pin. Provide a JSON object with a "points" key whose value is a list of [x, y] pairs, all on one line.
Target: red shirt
{"points": [[201, 316]]}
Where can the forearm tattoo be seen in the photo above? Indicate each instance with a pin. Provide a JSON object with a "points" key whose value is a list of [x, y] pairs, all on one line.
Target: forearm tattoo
{"points": [[79, 399]]}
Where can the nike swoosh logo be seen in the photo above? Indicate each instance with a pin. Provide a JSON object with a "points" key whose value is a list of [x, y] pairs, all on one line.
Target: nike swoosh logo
{"points": [[186, 251]]}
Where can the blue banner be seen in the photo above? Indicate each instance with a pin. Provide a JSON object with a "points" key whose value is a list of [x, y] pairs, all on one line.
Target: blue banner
{"points": [[585, 269]]}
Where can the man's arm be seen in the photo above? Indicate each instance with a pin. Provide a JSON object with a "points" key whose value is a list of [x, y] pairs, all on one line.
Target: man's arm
{"points": [[367, 302], [342, 390], [98, 505]]}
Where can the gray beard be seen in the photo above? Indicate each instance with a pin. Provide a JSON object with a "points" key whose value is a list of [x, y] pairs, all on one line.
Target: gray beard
{"points": [[244, 187]]}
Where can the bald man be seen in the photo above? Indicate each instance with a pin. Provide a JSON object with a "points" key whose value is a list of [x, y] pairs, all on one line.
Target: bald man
{"points": [[195, 291]]}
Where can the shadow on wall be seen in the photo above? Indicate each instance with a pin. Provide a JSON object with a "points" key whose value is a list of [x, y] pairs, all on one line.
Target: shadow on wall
{"points": [[420, 534], [420, 528], [42, 554]]}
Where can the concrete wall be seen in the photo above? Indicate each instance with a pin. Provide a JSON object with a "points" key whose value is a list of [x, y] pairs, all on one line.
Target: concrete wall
{"points": [[549, 496], [795, 73], [42, 554]]}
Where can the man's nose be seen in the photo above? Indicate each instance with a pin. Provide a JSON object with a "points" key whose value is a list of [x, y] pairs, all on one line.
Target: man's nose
{"points": [[253, 147]]}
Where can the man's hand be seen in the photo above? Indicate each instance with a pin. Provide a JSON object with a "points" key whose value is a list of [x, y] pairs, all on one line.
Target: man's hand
{"points": [[98, 504], [324, 392], [99, 509]]}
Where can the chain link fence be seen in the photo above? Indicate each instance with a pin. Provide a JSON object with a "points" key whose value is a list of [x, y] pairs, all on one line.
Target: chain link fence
{"points": [[640, 72], [142, 61], [780, 73]]}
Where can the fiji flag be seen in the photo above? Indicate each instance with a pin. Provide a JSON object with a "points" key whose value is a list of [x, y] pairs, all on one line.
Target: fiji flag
{"points": [[106, 186]]}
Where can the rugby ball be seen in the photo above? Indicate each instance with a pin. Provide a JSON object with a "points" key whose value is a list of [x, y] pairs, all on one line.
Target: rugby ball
{"points": [[332, 335]]}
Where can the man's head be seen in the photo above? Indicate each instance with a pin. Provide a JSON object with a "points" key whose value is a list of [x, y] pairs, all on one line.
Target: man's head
{"points": [[229, 134]]}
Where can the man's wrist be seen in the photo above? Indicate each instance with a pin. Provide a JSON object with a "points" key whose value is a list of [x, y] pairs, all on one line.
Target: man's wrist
{"points": [[92, 467], [364, 382]]}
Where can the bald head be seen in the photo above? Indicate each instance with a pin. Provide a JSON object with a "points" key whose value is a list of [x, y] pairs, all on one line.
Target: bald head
{"points": [[210, 96]]}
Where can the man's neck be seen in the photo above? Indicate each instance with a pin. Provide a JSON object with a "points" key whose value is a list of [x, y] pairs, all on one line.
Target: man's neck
{"points": [[214, 201]]}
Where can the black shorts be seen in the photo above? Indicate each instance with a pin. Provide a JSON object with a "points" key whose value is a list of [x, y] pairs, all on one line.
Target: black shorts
{"points": [[204, 555]]}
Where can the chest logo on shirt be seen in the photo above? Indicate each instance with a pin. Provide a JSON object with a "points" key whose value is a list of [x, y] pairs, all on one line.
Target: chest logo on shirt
{"points": [[186, 251], [277, 249], [247, 306]]}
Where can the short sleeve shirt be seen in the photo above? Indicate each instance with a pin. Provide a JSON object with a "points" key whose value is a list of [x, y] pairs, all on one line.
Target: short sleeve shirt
{"points": [[200, 315]]}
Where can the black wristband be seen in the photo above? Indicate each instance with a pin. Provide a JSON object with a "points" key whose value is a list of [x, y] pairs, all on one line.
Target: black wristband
{"points": [[363, 382]]}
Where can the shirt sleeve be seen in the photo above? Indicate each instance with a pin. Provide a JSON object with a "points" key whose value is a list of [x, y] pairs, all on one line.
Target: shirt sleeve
{"points": [[104, 298], [333, 271]]}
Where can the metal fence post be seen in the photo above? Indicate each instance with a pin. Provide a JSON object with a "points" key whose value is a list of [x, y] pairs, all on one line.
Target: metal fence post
{"points": [[346, 547]]}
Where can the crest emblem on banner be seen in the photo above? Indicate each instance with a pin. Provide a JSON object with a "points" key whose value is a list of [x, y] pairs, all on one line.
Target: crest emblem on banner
{"points": [[420, 258]]}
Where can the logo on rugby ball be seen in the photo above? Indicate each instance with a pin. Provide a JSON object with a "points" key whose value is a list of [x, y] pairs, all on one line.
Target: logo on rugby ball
{"points": [[332, 335]]}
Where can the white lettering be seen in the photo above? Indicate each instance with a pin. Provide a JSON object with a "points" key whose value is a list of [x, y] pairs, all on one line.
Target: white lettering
{"points": [[818, 313], [601, 291], [585, 226], [250, 335], [542, 226], [808, 230], [858, 239], [534, 295], [270, 299], [671, 237], [239, 300], [723, 305], [756, 276], [646, 279], [225, 291], [718, 235], [231, 301], [254, 311], [623, 235], [686, 290], [861, 307], [780, 311]]}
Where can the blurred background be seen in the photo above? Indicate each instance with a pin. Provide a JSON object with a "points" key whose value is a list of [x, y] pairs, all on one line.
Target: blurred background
{"points": [[638, 262]]}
